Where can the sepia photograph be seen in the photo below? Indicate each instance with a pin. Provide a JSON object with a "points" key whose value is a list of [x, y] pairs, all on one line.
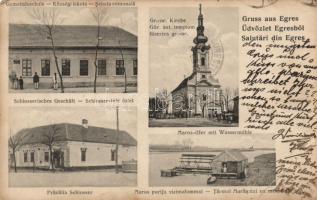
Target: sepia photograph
{"points": [[73, 49], [78, 149], [198, 67], [212, 160]]}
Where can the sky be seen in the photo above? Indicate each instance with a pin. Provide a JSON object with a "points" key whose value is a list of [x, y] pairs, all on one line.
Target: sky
{"points": [[257, 140], [28, 117], [171, 57], [122, 17]]}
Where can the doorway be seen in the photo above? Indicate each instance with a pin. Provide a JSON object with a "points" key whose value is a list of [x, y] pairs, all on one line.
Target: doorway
{"points": [[58, 159]]}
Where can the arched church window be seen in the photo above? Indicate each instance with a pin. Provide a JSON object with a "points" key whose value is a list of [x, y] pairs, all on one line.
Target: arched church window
{"points": [[202, 61]]}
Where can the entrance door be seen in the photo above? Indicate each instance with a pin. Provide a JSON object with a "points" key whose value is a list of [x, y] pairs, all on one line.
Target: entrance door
{"points": [[232, 167], [58, 159]]}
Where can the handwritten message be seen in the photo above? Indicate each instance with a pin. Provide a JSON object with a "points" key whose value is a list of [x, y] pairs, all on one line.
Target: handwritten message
{"points": [[280, 95]]}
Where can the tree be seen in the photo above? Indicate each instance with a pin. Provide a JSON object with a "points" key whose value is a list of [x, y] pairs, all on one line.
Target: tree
{"points": [[15, 142], [48, 19], [228, 96], [183, 102], [124, 68], [50, 139], [12, 78], [100, 16], [188, 143], [125, 74], [163, 97]]}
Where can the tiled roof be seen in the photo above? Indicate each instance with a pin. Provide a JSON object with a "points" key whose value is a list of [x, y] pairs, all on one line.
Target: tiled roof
{"points": [[84, 36], [75, 132]]}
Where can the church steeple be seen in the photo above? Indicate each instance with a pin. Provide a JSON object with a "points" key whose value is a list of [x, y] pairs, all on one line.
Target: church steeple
{"points": [[200, 38], [200, 50]]}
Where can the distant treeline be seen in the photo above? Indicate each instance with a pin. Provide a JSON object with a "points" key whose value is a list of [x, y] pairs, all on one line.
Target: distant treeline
{"points": [[182, 148]]}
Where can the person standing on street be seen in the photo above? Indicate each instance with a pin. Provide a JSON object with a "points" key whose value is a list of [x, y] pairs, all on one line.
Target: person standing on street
{"points": [[36, 80], [21, 83]]}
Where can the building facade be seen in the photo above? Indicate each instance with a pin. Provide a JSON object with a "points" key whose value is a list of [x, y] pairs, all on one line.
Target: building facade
{"points": [[74, 146], [230, 161], [30, 52], [200, 93]]}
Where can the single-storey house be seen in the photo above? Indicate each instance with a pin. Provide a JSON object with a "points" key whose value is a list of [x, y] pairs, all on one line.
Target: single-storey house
{"points": [[73, 146], [30, 51], [230, 161]]}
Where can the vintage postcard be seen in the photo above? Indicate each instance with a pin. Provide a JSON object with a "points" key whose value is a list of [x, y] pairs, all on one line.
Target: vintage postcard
{"points": [[157, 99]]}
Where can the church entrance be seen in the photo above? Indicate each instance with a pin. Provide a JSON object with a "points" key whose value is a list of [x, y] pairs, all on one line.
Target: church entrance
{"points": [[212, 113]]}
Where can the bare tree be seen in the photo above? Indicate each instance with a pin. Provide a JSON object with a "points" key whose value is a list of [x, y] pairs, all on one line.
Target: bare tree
{"points": [[164, 97], [48, 19], [187, 143], [100, 16], [50, 139], [228, 96], [125, 74], [124, 68], [15, 142], [183, 101]]}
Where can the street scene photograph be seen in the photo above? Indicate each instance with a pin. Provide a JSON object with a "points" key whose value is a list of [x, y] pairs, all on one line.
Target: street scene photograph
{"points": [[78, 149], [198, 63], [73, 50]]}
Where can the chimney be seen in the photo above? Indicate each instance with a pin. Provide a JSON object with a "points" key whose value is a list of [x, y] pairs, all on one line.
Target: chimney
{"points": [[84, 123]]}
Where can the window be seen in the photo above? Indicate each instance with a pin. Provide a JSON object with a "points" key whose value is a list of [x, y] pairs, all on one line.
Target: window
{"points": [[135, 67], [113, 155], [204, 97], [26, 67], [32, 156], [119, 67], [102, 66], [65, 67], [46, 156], [83, 154], [83, 71], [25, 157], [203, 76], [45, 67], [202, 61]]}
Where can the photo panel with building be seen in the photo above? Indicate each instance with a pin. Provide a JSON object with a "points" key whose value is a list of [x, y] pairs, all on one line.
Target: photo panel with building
{"points": [[212, 160], [195, 49], [73, 49], [78, 146]]}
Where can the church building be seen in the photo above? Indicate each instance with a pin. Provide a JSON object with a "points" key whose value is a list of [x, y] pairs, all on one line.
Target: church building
{"points": [[200, 93]]}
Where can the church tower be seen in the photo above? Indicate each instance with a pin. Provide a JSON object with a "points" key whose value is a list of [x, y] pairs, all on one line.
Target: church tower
{"points": [[201, 50], [201, 89]]}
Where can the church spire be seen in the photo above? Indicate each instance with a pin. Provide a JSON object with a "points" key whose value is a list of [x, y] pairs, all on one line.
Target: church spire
{"points": [[200, 38], [201, 48]]}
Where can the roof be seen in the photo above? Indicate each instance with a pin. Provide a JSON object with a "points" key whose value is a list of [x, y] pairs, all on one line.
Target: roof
{"points": [[210, 82], [183, 83], [75, 132], [84, 36], [231, 155]]}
